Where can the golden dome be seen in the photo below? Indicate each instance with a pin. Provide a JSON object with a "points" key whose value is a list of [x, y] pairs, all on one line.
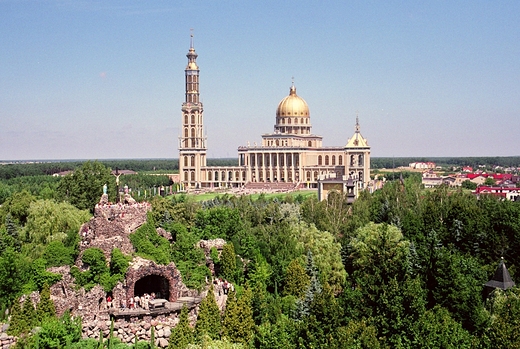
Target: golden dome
{"points": [[293, 105]]}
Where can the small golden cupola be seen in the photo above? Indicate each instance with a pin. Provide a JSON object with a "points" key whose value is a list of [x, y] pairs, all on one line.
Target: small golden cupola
{"points": [[292, 115]]}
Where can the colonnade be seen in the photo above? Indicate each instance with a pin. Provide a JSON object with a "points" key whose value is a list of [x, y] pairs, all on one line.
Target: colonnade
{"points": [[272, 167]]}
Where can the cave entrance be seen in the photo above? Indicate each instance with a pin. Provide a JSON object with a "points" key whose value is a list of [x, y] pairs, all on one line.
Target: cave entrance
{"points": [[153, 283]]}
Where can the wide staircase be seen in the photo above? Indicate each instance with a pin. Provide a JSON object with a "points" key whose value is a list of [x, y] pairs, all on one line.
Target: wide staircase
{"points": [[271, 186]]}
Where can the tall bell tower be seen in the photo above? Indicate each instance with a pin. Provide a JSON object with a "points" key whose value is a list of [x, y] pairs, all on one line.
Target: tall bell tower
{"points": [[192, 142]]}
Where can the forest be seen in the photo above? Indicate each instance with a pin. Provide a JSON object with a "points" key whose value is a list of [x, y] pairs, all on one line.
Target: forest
{"points": [[403, 267]]}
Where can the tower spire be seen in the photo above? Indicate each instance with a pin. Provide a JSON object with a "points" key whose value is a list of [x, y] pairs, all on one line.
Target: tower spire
{"points": [[292, 90], [357, 122], [191, 38]]}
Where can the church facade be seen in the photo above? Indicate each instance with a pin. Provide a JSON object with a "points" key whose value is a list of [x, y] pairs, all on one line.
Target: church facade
{"points": [[290, 156]]}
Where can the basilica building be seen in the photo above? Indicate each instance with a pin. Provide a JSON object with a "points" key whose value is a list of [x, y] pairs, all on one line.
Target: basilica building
{"points": [[288, 158]]}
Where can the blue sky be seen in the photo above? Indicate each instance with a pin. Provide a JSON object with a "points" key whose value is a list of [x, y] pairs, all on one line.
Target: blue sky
{"points": [[105, 79]]}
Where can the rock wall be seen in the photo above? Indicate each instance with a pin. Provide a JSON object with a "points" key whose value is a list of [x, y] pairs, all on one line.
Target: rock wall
{"points": [[111, 226], [127, 331], [89, 305], [6, 341]]}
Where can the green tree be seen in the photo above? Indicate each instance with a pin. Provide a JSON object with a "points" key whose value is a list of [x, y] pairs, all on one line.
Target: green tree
{"points": [[97, 273], [303, 306], [392, 299], [279, 335], [83, 188], [40, 276], [489, 181], [437, 329], [12, 237], [467, 184], [50, 221], [182, 334], [29, 313], [228, 263], [45, 308], [150, 245], [208, 320], [357, 335], [190, 261], [17, 205], [17, 323], [208, 343], [218, 222], [14, 273], [57, 254], [238, 324], [380, 252], [504, 329], [118, 264], [59, 332], [326, 253]]}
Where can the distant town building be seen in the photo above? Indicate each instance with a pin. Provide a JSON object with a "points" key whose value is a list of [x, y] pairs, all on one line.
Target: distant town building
{"points": [[421, 165], [431, 180], [507, 193]]}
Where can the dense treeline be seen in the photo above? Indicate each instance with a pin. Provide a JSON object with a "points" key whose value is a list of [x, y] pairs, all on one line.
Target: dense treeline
{"points": [[8, 171], [14, 170], [503, 161], [400, 268]]}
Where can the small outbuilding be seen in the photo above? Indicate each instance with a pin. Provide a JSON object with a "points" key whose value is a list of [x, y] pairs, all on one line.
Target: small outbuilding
{"points": [[501, 279]]}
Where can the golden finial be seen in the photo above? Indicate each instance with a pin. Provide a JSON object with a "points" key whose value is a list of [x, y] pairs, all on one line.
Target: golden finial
{"points": [[191, 37]]}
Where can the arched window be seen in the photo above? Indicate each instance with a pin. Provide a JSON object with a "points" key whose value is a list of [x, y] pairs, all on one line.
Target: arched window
{"points": [[326, 160], [310, 143], [185, 119], [216, 176], [192, 118], [192, 176], [185, 161], [333, 160], [289, 121], [308, 176], [192, 160], [186, 132], [315, 175], [320, 161], [340, 160], [360, 160], [209, 176], [186, 176]]}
